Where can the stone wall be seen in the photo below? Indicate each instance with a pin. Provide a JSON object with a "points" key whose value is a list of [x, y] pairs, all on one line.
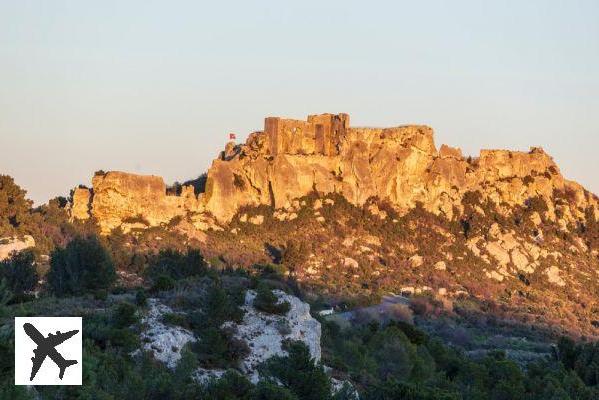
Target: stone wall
{"points": [[318, 135]]}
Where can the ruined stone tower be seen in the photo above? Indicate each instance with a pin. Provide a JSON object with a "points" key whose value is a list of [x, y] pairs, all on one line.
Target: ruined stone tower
{"points": [[318, 135]]}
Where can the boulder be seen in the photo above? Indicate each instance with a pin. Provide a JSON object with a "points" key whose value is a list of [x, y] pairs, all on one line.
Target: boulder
{"points": [[554, 276]]}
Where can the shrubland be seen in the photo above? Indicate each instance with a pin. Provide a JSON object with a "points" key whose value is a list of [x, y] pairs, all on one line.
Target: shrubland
{"points": [[349, 261]]}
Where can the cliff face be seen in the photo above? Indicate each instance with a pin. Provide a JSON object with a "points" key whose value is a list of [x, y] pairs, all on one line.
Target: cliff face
{"points": [[292, 158], [131, 201], [401, 165]]}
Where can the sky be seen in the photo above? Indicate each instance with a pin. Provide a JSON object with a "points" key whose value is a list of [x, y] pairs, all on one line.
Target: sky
{"points": [[154, 87]]}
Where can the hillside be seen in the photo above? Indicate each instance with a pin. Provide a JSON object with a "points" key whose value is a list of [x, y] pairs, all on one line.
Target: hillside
{"points": [[379, 210]]}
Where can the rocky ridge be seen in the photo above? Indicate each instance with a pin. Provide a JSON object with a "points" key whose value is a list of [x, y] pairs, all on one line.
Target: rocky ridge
{"points": [[293, 158]]}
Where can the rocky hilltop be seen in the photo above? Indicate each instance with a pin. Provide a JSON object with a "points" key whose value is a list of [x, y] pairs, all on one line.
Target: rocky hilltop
{"points": [[293, 158]]}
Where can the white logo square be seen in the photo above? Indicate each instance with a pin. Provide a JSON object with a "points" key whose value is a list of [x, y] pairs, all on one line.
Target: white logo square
{"points": [[48, 350]]}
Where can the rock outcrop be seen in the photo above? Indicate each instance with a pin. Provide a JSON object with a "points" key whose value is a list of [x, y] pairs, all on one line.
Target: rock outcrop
{"points": [[401, 165], [164, 341], [120, 199], [266, 332], [263, 333], [293, 158], [10, 245]]}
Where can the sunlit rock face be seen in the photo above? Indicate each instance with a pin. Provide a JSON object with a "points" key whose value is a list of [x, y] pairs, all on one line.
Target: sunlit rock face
{"points": [[10, 245], [401, 165], [119, 198], [292, 158]]}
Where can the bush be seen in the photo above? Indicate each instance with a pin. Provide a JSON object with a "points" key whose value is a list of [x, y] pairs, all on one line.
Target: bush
{"points": [[218, 348], [298, 373], [163, 282], [178, 265], [5, 296], [141, 298], [82, 266], [294, 255], [124, 315], [175, 319], [15, 208], [19, 272], [101, 294], [221, 307], [267, 301], [270, 271]]}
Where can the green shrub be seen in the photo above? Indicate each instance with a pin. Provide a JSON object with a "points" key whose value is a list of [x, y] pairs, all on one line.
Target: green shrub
{"points": [[162, 283], [124, 315], [141, 298], [177, 265], [83, 265], [298, 373], [218, 348], [5, 296], [175, 319], [101, 294], [266, 301], [271, 271], [221, 307], [413, 334], [19, 272]]}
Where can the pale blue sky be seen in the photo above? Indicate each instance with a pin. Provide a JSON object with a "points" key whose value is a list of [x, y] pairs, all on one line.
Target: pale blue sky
{"points": [[154, 86]]}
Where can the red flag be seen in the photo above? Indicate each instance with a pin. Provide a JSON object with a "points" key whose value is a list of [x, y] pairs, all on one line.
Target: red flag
{"points": [[232, 136]]}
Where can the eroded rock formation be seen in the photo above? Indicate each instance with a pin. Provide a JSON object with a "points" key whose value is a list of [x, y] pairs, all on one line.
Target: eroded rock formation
{"points": [[132, 201], [401, 165], [292, 158]]}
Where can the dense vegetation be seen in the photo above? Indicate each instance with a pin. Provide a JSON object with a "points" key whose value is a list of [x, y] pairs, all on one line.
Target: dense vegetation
{"points": [[397, 361], [394, 360]]}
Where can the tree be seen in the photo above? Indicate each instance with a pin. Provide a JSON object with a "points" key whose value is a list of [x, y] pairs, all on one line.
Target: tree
{"points": [[5, 296], [266, 301], [298, 373], [19, 272], [15, 209], [178, 265], [83, 265], [293, 255]]}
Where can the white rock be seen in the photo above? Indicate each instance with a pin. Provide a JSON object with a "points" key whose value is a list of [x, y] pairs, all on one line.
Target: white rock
{"points": [[553, 275], [164, 341], [263, 332], [349, 262], [257, 220], [416, 261], [317, 204], [440, 266]]}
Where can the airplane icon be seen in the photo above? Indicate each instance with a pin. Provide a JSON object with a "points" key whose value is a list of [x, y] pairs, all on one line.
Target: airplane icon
{"points": [[46, 348]]}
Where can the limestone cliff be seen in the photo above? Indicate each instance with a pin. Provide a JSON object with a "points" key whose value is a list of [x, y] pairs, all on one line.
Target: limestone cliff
{"points": [[292, 158], [401, 165], [132, 201]]}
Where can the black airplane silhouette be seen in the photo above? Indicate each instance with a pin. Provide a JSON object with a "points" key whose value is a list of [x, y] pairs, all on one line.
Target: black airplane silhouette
{"points": [[46, 347]]}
